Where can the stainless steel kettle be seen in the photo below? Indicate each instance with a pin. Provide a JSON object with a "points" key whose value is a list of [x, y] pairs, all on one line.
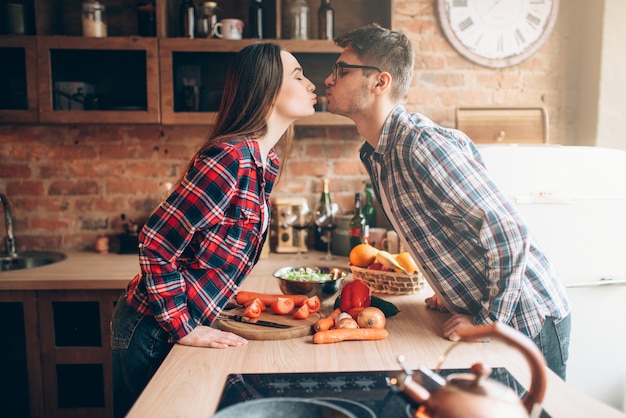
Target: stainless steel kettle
{"points": [[474, 394]]}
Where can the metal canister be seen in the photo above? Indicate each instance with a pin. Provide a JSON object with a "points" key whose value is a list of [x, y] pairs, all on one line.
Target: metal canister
{"points": [[207, 18], [14, 22]]}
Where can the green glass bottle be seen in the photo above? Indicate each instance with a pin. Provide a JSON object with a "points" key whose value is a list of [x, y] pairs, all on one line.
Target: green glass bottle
{"points": [[358, 225], [320, 238], [369, 210]]}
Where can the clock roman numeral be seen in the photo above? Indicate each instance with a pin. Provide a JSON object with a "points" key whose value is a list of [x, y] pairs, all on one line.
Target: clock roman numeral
{"points": [[519, 37], [500, 45], [463, 25], [459, 3], [533, 20]]}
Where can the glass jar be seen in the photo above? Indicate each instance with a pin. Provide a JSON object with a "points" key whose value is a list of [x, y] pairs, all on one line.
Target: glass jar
{"points": [[207, 18], [94, 19], [299, 13]]}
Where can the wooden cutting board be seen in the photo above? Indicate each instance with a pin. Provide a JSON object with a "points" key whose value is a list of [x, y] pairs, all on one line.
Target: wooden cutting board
{"points": [[300, 327]]}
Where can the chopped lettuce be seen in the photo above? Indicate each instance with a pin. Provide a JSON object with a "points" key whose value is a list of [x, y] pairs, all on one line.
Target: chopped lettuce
{"points": [[305, 275]]}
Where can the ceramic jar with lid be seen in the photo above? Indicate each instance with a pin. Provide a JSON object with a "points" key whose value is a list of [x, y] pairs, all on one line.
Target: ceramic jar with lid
{"points": [[94, 19]]}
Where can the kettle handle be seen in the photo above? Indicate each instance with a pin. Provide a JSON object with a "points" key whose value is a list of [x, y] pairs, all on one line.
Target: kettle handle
{"points": [[529, 349]]}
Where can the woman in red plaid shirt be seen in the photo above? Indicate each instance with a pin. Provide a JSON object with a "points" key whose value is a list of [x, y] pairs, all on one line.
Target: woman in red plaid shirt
{"points": [[203, 240]]}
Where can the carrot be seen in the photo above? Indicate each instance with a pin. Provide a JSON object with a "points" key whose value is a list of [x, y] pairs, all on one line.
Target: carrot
{"points": [[324, 324], [244, 297], [349, 334]]}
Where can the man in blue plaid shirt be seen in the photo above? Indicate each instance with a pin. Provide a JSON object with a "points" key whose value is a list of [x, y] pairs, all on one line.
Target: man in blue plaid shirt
{"points": [[472, 245]]}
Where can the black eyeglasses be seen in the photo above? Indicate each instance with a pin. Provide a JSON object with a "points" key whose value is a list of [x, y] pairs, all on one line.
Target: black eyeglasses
{"points": [[338, 65]]}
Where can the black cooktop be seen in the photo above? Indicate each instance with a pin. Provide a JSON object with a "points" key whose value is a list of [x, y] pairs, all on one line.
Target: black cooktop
{"points": [[365, 394]]}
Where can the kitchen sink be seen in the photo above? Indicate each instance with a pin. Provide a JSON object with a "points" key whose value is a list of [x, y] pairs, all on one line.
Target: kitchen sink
{"points": [[29, 260]]}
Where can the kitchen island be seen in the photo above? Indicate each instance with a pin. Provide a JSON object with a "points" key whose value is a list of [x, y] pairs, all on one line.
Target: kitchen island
{"points": [[190, 381]]}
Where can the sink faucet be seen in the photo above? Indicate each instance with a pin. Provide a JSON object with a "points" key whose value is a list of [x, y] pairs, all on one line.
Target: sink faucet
{"points": [[9, 239]]}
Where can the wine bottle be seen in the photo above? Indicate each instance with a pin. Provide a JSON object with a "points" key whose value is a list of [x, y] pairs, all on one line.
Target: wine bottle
{"points": [[255, 19], [187, 18], [326, 21], [358, 224], [369, 210], [323, 205]]}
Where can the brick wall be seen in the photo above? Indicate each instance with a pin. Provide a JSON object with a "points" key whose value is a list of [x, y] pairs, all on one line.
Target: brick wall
{"points": [[68, 185]]}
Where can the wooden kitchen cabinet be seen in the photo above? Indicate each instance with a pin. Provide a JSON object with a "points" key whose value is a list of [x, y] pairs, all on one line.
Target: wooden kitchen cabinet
{"points": [[18, 79], [119, 78], [193, 71], [21, 390], [59, 355], [192, 79], [127, 78], [76, 351]]}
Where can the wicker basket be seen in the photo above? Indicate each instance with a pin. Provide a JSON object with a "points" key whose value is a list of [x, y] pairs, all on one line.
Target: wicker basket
{"points": [[388, 282]]}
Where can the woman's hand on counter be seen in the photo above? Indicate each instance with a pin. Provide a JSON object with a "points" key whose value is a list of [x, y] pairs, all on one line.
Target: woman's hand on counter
{"points": [[203, 336]]}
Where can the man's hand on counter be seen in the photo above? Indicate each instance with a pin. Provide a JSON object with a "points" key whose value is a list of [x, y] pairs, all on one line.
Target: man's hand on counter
{"points": [[455, 323], [203, 336]]}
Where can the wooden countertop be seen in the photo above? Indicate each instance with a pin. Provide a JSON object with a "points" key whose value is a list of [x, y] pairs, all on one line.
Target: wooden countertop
{"points": [[190, 381], [80, 270]]}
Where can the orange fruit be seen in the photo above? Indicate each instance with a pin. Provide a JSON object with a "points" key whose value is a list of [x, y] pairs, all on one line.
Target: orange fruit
{"points": [[363, 255], [406, 261]]}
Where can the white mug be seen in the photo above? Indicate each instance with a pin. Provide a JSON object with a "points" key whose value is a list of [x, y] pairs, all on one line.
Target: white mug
{"points": [[391, 242], [228, 29], [376, 237]]}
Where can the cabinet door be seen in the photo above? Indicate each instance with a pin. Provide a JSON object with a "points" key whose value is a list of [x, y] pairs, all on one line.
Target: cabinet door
{"points": [[21, 393], [76, 351], [18, 79], [193, 74], [109, 80]]}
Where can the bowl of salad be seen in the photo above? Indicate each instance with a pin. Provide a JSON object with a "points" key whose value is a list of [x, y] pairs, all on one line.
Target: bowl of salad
{"points": [[306, 280]]}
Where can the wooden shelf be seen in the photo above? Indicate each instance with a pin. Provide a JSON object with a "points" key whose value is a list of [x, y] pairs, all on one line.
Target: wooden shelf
{"points": [[135, 78]]}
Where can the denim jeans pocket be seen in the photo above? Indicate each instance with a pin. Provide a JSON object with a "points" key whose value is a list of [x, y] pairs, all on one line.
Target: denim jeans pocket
{"points": [[125, 321], [563, 328]]}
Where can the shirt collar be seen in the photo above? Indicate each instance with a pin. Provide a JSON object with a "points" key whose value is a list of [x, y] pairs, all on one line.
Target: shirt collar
{"points": [[385, 141]]}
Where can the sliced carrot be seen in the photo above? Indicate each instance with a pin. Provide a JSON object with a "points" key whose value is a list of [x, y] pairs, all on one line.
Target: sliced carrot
{"points": [[244, 297], [349, 334], [327, 323]]}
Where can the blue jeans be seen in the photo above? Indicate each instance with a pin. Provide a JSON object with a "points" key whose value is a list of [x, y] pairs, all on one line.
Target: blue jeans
{"points": [[139, 347], [553, 340]]}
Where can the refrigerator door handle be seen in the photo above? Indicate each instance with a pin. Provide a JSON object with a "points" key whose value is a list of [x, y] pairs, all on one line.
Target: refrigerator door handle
{"points": [[605, 281]]}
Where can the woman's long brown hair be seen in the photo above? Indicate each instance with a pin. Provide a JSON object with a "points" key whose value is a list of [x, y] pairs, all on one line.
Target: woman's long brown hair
{"points": [[253, 80]]}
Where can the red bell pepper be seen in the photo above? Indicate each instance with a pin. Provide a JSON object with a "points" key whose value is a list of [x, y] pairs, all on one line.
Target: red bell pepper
{"points": [[355, 294]]}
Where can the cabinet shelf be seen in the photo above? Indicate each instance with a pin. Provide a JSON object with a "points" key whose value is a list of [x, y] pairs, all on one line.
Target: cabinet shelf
{"points": [[119, 78]]}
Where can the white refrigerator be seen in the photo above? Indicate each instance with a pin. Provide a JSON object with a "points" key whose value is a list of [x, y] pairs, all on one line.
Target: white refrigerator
{"points": [[574, 200]]}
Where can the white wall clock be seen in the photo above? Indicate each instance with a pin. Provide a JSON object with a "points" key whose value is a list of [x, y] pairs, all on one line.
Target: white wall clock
{"points": [[497, 33]]}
